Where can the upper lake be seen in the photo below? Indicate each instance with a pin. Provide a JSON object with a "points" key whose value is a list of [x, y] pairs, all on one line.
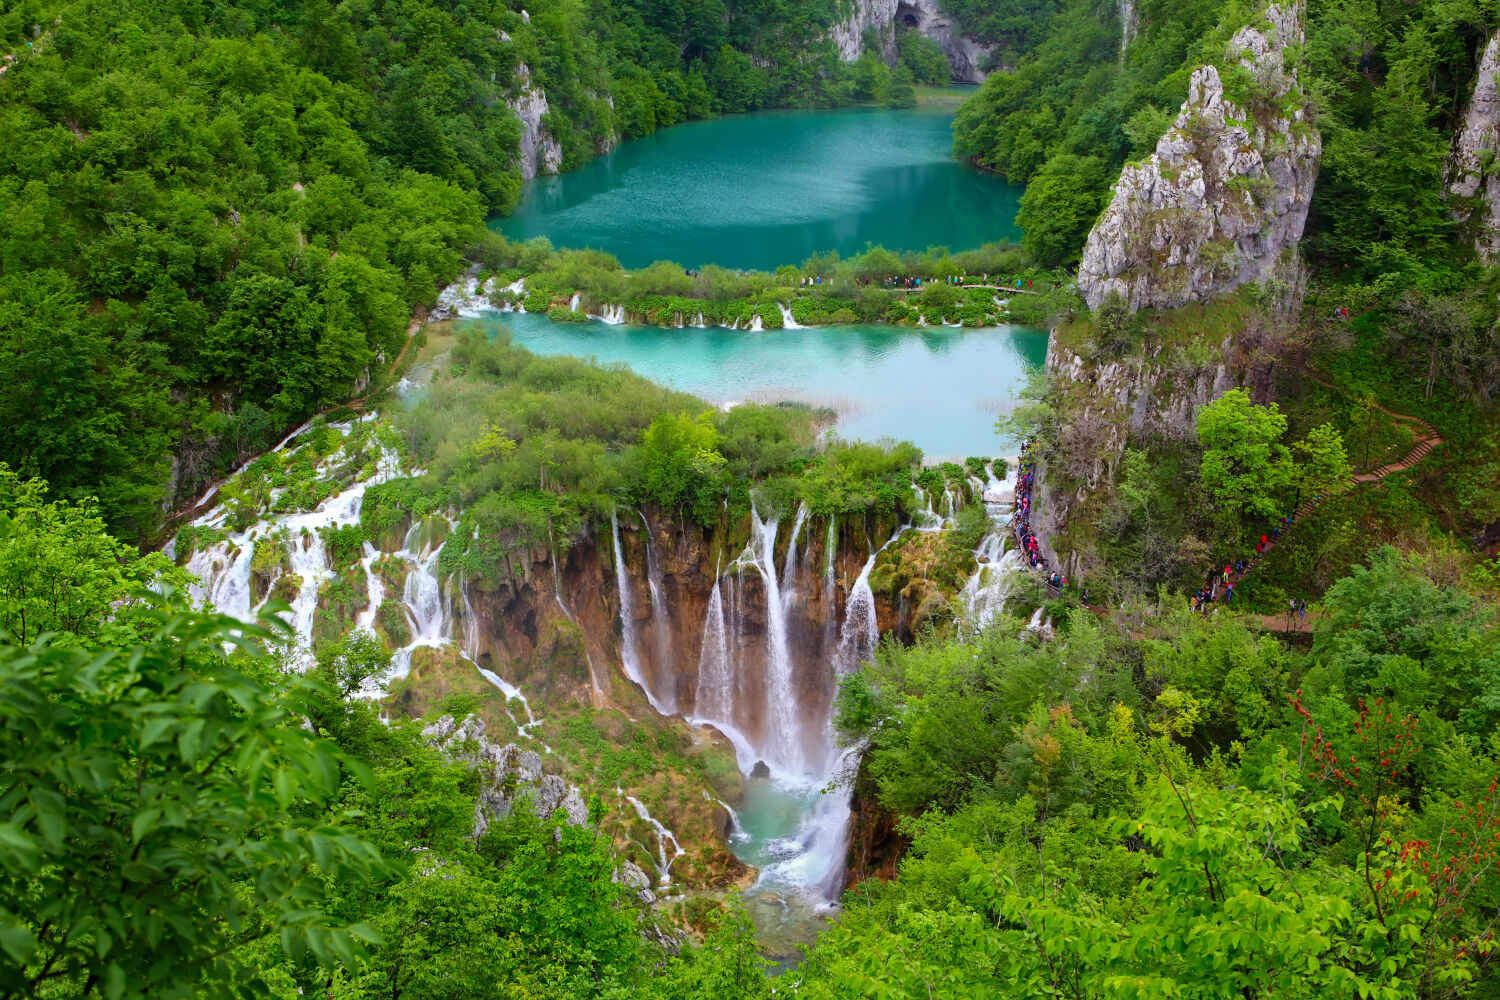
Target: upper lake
{"points": [[758, 191]]}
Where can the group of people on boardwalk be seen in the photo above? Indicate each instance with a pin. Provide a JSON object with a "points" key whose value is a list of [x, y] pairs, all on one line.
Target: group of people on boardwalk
{"points": [[1025, 477], [1221, 587]]}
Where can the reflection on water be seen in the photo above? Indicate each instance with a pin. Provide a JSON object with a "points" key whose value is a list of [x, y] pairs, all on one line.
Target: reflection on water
{"points": [[938, 388]]}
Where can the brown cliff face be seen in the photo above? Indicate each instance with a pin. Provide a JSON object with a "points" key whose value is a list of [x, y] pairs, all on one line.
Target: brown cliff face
{"points": [[876, 844], [558, 633]]}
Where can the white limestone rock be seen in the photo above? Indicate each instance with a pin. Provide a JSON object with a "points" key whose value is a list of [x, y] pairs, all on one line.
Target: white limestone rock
{"points": [[1227, 190], [966, 57], [1474, 195], [509, 771], [540, 152], [849, 34]]}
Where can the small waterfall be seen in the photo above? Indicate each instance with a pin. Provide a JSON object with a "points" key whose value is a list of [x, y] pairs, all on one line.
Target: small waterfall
{"points": [[755, 324], [925, 519], [663, 835], [612, 315], [573, 303], [660, 626], [860, 633], [830, 580], [788, 322], [789, 569], [375, 588], [426, 610], [985, 593], [715, 680], [628, 648]]}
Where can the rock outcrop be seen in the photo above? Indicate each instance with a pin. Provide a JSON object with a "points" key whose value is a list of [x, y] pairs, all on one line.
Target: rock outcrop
{"points": [[967, 58], [1226, 193], [1476, 196], [849, 34], [510, 773], [540, 152]]}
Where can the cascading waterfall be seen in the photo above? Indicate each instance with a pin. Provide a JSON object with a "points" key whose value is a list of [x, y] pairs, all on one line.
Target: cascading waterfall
{"points": [[663, 835], [628, 648], [788, 322], [756, 326], [830, 579], [783, 743], [997, 568], [573, 302]]}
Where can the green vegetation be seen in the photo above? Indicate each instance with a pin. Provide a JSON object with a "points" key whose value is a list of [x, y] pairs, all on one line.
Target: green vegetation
{"points": [[218, 219], [1183, 806], [538, 451], [867, 288]]}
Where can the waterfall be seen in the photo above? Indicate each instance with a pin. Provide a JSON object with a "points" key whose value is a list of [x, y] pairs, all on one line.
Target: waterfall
{"points": [[628, 655], [426, 610], [783, 743], [660, 629], [788, 322], [830, 580], [860, 633], [612, 315], [715, 681], [755, 324], [664, 863], [925, 519], [985, 593], [789, 569], [374, 588], [573, 303]]}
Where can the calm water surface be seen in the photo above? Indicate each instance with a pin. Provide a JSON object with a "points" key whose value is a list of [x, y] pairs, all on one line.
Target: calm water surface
{"points": [[757, 191], [939, 388]]}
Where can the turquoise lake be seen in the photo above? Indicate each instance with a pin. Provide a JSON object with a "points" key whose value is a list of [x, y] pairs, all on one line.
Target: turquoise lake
{"points": [[757, 191], [940, 388]]}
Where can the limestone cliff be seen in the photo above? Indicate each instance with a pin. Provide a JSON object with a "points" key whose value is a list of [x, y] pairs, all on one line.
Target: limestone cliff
{"points": [[967, 58], [540, 152], [849, 34], [1226, 192], [1472, 184], [507, 773]]}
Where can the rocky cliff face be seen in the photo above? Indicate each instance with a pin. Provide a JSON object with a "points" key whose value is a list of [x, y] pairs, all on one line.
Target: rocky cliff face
{"points": [[540, 153], [508, 773], [1474, 195], [849, 34], [966, 57], [1226, 193]]}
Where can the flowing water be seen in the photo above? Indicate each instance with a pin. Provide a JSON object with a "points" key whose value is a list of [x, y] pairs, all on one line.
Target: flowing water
{"points": [[758, 191], [940, 388]]}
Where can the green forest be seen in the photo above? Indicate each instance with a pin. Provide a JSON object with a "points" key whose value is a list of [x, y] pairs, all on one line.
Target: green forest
{"points": [[222, 226]]}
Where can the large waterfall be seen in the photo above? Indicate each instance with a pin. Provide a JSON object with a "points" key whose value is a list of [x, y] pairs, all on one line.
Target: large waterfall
{"points": [[780, 625]]}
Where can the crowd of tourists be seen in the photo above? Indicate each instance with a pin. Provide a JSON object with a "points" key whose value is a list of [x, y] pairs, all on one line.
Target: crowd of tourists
{"points": [[1021, 521], [1221, 587]]}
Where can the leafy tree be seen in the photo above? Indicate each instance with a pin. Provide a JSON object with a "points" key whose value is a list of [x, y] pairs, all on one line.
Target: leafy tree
{"points": [[61, 573], [922, 56], [1060, 205], [156, 802], [1246, 471]]}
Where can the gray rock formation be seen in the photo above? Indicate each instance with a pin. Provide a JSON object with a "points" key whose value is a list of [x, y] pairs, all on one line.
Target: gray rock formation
{"points": [[1476, 196], [540, 152], [1226, 193], [966, 57], [511, 772], [849, 34]]}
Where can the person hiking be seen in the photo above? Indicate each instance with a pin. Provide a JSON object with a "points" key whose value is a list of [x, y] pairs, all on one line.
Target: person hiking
{"points": [[1229, 593], [1302, 608], [1226, 572]]}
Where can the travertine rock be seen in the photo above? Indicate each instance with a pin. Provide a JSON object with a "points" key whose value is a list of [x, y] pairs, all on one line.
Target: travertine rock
{"points": [[1477, 142], [966, 57], [540, 152], [1225, 194], [511, 772]]}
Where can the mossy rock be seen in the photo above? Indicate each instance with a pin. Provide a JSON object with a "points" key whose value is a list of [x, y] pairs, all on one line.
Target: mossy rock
{"points": [[340, 600], [390, 623]]}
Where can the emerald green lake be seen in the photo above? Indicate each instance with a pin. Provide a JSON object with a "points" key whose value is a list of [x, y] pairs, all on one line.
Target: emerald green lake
{"points": [[940, 388], [758, 191]]}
